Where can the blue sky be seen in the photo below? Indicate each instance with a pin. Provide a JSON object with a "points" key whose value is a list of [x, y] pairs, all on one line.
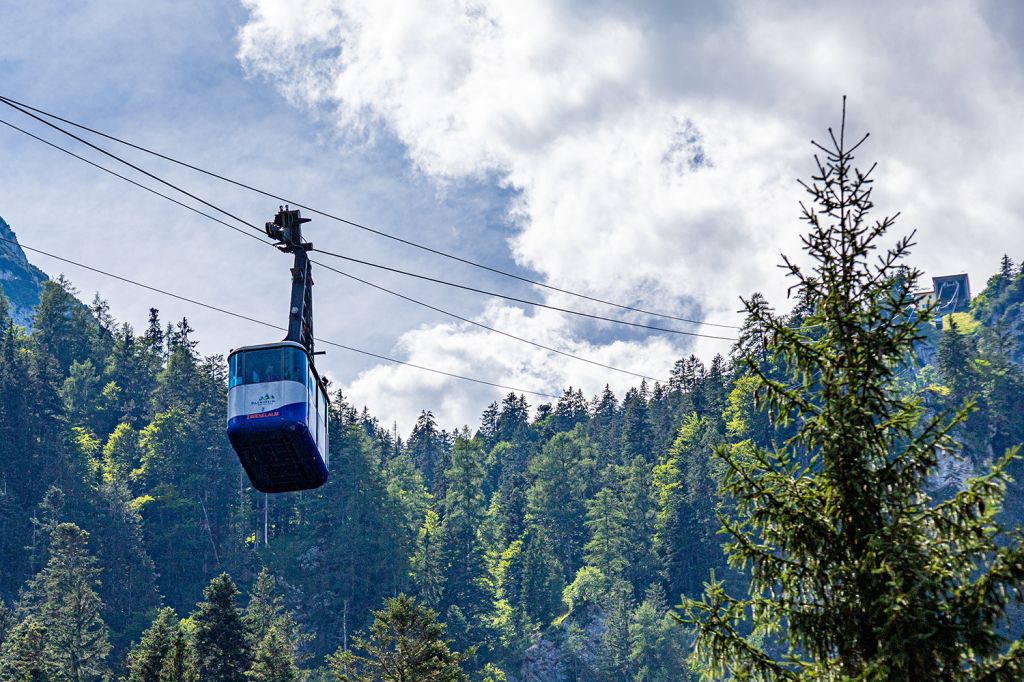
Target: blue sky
{"points": [[555, 139]]}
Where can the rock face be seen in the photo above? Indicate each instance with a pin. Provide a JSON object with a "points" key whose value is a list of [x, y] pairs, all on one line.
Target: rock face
{"points": [[568, 651], [19, 279]]}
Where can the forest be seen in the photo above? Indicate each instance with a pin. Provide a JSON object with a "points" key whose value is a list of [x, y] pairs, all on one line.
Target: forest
{"points": [[573, 540]]}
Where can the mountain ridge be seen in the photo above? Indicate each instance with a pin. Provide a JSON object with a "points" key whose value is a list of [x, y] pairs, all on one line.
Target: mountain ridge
{"points": [[19, 279]]}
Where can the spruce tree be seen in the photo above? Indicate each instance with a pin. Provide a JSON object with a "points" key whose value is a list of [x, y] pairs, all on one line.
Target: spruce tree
{"points": [[541, 580], [62, 599], [264, 608], [957, 363], [638, 503], [855, 572], [635, 436], [426, 446], [146, 658], [684, 525], [427, 564], [606, 520], [7, 621], [405, 643], [657, 646], [1006, 273], [556, 501], [613, 649], [266, 611], [221, 647], [24, 656], [464, 509], [572, 409], [180, 662], [274, 656]]}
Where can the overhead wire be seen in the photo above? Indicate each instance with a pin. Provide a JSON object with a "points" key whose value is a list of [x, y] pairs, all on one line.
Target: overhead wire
{"points": [[488, 328], [264, 323], [381, 233], [133, 182], [324, 265], [435, 280], [466, 287], [129, 164]]}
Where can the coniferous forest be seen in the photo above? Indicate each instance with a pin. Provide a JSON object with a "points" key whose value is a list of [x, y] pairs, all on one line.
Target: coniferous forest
{"points": [[839, 498]]}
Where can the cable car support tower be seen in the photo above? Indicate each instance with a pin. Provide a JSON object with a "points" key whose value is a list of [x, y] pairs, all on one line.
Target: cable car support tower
{"points": [[286, 230]]}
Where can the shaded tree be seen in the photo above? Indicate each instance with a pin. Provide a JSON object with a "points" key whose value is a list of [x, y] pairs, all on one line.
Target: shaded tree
{"points": [[146, 658], [62, 600], [404, 644], [221, 648]]}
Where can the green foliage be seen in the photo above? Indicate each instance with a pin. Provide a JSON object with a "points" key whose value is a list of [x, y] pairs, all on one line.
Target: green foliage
{"points": [[427, 448], [685, 486], [540, 579], [492, 673], [587, 589], [146, 658], [123, 435], [25, 656], [606, 520], [657, 646], [404, 643], [274, 657], [346, 557], [7, 621], [557, 497], [854, 572], [462, 549], [270, 627], [265, 608], [180, 663], [614, 647], [61, 607], [219, 639], [428, 565]]}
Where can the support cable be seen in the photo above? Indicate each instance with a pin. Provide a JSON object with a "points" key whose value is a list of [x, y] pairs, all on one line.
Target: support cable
{"points": [[488, 328], [16, 104], [435, 280], [337, 255], [328, 267], [129, 164], [264, 323], [137, 184]]}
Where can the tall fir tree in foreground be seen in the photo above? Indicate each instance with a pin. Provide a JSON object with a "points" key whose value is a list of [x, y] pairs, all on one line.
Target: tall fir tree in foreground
{"points": [[855, 572]]}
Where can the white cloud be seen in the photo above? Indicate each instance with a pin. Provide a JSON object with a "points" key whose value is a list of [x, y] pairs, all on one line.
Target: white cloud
{"points": [[461, 349], [597, 117]]}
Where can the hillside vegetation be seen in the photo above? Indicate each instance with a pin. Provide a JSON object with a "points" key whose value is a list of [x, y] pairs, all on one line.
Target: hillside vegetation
{"points": [[531, 528]]}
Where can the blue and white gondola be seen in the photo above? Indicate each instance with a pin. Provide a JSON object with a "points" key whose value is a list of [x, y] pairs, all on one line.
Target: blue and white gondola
{"points": [[277, 416]]}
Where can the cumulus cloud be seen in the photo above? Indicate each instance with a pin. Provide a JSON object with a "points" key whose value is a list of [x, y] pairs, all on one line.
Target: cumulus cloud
{"points": [[653, 151], [461, 349]]}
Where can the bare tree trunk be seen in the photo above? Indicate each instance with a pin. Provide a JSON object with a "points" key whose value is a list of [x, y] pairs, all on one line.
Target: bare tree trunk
{"points": [[209, 533], [344, 626]]}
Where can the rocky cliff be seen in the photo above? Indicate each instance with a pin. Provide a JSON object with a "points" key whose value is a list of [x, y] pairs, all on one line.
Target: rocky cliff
{"points": [[19, 279]]}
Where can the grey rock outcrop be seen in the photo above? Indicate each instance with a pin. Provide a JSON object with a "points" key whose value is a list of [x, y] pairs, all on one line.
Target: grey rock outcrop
{"points": [[19, 279], [568, 651]]}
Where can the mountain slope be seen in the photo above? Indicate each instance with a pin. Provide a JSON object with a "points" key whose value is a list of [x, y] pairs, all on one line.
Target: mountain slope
{"points": [[19, 279]]}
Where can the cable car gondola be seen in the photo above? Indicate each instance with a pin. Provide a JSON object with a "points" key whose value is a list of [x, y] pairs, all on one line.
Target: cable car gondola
{"points": [[277, 402]]}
